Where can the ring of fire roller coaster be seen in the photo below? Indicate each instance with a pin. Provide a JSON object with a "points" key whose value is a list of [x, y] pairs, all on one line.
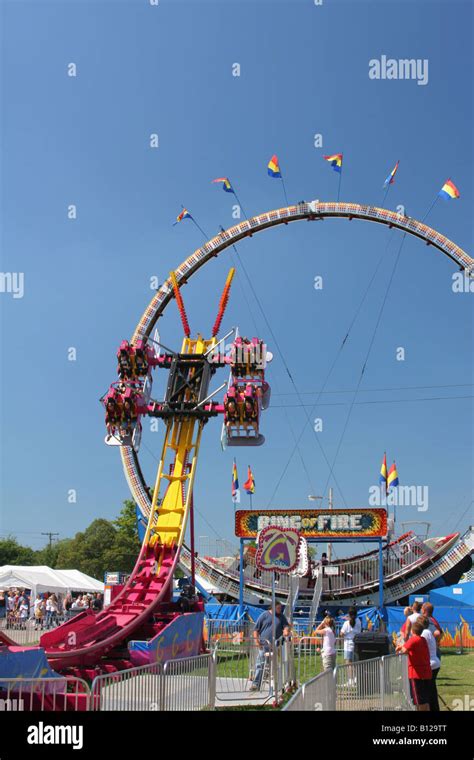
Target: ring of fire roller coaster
{"points": [[87, 637]]}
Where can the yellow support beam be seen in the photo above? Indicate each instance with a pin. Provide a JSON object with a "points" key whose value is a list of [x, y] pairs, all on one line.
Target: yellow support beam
{"points": [[167, 521]]}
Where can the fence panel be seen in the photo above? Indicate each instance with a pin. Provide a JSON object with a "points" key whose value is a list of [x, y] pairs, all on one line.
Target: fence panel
{"points": [[359, 685], [395, 694], [189, 684], [30, 630], [186, 684], [136, 689], [44, 694], [283, 666], [236, 670], [318, 693]]}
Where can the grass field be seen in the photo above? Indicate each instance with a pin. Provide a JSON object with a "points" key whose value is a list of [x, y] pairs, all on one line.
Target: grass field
{"points": [[456, 679]]}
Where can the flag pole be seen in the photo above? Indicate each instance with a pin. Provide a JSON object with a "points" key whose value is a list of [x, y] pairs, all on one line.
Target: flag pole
{"points": [[240, 205], [206, 237], [339, 187], [284, 187], [284, 190], [431, 207]]}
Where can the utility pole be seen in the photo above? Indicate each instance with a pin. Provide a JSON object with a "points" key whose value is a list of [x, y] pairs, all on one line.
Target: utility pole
{"points": [[50, 534], [329, 546]]}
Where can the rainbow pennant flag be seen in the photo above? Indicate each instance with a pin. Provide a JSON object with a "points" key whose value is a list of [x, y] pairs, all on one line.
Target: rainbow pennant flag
{"points": [[226, 186], [235, 484], [183, 215], [336, 161], [249, 484], [391, 177], [449, 191], [383, 473], [392, 479], [274, 167]]}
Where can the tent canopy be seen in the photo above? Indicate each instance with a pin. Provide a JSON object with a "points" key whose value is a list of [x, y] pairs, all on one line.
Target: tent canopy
{"points": [[460, 595], [41, 578]]}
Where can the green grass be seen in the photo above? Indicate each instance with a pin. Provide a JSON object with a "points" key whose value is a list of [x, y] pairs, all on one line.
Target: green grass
{"points": [[456, 677]]}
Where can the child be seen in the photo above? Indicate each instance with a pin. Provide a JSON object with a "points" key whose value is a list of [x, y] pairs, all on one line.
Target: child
{"points": [[328, 654], [23, 611], [419, 668], [351, 627], [435, 662]]}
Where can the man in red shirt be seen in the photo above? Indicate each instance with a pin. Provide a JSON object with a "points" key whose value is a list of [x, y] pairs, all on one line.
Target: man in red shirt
{"points": [[419, 669]]}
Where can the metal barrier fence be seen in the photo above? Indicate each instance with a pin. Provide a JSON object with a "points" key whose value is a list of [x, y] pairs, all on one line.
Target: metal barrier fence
{"points": [[44, 694], [308, 654], [236, 670], [377, 684], [319, 693], [139, 688], [248, 672], [190, 684], [233, 631], [284, 672], [186, 684], [29, 631]]}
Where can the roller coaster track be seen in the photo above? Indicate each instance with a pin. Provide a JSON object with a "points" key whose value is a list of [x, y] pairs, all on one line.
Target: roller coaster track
{"points": [[227, 582]]}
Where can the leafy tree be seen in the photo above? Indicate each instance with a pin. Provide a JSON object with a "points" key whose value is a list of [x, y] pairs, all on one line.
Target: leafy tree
{"points": [[12, 553], [87, 551], [126, 547]]}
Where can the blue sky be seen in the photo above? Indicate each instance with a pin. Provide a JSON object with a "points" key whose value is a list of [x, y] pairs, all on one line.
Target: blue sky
{"points": [[85, 140]]}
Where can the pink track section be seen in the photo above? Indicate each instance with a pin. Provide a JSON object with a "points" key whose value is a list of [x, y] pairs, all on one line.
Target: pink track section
{"points": [[4, 639], [87, 637]]}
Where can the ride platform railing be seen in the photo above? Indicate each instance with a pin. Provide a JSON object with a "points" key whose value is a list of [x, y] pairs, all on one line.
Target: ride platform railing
{"points": [[344, 576]]}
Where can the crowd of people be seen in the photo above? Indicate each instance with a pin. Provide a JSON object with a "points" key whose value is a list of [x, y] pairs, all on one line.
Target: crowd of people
{"points": [[46, 609], [420, 638]]}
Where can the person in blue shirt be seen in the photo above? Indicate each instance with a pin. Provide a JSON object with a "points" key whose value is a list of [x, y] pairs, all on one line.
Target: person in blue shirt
{"points": [[263, 639]]}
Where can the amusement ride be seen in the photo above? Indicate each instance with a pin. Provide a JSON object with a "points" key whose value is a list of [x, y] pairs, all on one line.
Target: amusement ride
{"points": [[89, 642]]}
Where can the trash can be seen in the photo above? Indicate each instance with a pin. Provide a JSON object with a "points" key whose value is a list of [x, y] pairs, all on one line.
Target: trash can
{"points": [[367, 646], [370, 644]]}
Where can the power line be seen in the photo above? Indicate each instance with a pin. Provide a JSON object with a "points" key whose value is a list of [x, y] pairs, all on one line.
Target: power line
{"points": [[50, 534], [367, 356], [331, 368], [378, 401], [378, 390], [266, 321]]}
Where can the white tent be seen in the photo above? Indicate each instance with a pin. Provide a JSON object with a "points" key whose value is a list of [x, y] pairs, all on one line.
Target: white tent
{"points": [[41, 578]]}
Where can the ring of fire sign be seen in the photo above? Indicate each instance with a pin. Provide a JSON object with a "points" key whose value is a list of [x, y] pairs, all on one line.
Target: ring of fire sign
{"points": [[315, 523]]}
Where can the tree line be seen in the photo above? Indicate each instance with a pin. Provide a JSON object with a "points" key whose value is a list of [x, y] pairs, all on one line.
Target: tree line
{"points": [[104, 545]]}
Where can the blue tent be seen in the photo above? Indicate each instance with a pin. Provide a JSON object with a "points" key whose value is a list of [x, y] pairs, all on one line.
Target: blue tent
{"points": [[461, 595]]}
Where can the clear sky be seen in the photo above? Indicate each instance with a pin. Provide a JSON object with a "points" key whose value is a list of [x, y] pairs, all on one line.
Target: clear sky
{"points": [[85, 140]]}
